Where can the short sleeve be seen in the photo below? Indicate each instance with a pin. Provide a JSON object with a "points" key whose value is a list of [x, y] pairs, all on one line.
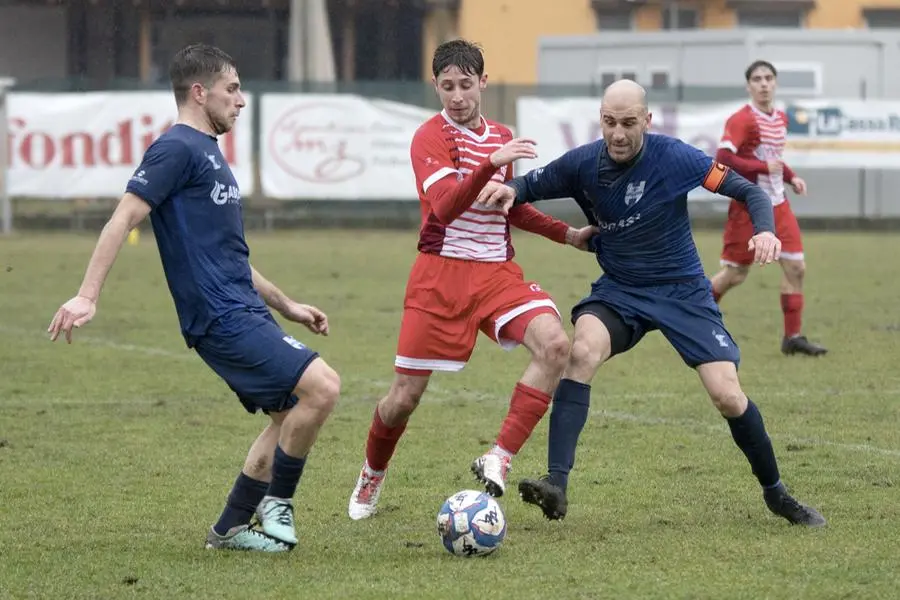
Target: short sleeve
{"points": [[165, 168], [431, 159], [735, 133]]}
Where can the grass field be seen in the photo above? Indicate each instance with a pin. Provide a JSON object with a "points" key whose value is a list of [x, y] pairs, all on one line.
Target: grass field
{"points": [[116, 452]]}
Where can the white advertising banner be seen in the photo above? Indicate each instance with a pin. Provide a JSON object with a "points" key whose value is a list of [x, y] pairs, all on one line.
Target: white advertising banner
{"points": [[822, 134], [340, 147], [69, 145]]}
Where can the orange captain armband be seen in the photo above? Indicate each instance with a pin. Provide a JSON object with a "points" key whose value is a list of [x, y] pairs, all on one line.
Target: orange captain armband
{"points": [[715, 176]]}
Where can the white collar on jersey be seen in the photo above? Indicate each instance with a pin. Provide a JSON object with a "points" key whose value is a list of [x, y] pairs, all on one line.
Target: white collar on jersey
{"points": [[478, 138], [768, 116]]}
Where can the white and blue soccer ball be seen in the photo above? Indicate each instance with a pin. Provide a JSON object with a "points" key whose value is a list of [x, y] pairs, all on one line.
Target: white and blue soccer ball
{"points": [[471, 523]]}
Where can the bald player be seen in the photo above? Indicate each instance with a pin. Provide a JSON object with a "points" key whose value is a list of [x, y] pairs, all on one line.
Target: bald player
{"points": [[633, 186]]}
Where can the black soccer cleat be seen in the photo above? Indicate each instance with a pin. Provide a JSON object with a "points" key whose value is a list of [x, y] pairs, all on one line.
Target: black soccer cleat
{"points": [[550, 498], [784, 505], [800, 345]]}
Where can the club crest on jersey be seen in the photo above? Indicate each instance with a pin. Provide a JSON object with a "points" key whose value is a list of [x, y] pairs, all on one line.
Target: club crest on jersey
{"points": [[634, 192]]}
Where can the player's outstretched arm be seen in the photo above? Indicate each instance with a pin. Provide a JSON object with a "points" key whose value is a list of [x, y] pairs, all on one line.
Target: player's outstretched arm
{"points": [[558, 179], [309, 316], [79, 310], [528, 218]]}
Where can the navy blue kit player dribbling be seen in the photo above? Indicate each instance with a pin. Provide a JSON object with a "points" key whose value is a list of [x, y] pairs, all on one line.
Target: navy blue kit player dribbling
{"points": [[184, 184], [633, 186]]}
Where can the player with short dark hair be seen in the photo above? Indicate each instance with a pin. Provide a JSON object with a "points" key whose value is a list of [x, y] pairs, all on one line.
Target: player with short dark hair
{"points": [[633, 186], [464, 279], [184, 184], [753, 145]]}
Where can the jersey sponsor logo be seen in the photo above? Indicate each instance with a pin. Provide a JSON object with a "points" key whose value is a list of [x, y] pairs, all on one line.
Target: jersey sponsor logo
{"points": [[224, 194], [291, 341], [139, 177], [634, 192], [621, 224]]}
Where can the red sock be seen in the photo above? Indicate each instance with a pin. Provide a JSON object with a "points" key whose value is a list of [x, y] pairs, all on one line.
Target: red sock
{"points": [[792, 307], [526, 408], [381, 442]]}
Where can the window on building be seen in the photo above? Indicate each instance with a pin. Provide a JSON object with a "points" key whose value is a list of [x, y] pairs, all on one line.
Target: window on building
{"points": [[882, 18], [799, 78], [659, 80], [680, 18], [614, 19], [770, 18], [608, 76]]}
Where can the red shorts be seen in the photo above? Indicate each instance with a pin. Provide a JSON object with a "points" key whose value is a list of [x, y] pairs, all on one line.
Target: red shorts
{"points": [[448, 301], [739, 230]]}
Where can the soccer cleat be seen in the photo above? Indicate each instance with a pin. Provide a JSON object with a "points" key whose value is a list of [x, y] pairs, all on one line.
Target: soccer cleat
{"points": [[549, 497], [276, 517], [798, 344], [491, 469], [784, 505], [243, 537], [364, 500]]}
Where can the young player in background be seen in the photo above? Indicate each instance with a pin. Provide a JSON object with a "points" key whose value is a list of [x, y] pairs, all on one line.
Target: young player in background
{"points": [[464, 279], [753, 145]]}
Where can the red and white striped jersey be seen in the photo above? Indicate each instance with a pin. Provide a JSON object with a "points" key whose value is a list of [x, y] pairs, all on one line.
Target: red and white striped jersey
{"points": [[752, 134], [441, 148]]}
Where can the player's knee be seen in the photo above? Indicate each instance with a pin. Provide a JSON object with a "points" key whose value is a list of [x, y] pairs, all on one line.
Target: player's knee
{"points": [[794, 270], [730, 402], [737, 275], [405, 394], [324, 391], [586, 353], [555, 351]]}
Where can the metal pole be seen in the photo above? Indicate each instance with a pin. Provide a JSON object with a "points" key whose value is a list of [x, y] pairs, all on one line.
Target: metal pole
{"points": [[5, 201], [863, 173]]}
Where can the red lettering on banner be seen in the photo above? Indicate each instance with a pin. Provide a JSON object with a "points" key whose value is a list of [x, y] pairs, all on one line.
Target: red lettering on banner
{"points": [[121, 145]]}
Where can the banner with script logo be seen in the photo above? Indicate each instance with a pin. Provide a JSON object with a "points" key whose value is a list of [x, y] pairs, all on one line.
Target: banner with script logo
{"points": [[337, 147]]}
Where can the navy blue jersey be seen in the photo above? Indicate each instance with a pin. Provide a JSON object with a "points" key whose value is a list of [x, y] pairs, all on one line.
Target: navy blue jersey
{"points": [[197, 220], [640, 206]]}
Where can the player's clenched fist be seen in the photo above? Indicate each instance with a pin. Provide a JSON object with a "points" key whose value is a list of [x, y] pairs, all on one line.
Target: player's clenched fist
{"points": [[766, 247], [74, 313], [513, 150]]}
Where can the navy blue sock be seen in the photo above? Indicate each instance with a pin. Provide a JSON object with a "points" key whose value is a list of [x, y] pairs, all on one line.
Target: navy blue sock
{"points": [[243, 499], [286, 471], [750, 435], [567, 418]]}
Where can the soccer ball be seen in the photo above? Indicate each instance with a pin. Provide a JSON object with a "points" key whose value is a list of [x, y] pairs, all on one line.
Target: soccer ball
{"points": [[471, 523]]}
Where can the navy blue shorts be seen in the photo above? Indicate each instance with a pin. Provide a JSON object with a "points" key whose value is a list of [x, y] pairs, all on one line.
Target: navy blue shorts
{"points": [[684, 312], [259, 361]]}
